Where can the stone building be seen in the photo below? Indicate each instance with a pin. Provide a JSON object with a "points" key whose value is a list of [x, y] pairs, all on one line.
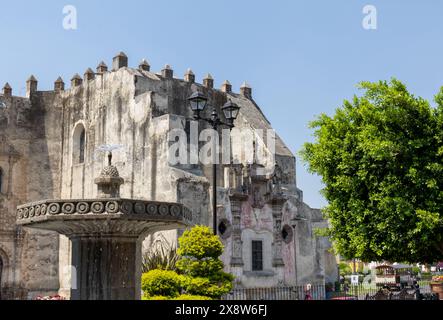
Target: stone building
{"points": [[50, 144]]}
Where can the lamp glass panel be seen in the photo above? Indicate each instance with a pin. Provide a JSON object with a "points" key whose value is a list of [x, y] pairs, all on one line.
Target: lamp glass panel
{"points": [[228, 113], [235, 112]]}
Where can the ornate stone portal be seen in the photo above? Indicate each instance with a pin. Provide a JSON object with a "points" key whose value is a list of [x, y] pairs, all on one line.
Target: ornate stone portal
{"points": [[106, 235]]}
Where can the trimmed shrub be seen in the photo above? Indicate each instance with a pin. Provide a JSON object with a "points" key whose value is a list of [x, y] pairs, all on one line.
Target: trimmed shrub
{"points": [[200, 242], [161, 283], [200, 264], [201, 271]]}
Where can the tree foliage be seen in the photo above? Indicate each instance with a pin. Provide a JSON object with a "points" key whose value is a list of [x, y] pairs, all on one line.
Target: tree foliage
{"points": [[344, 269], [381, 161]]}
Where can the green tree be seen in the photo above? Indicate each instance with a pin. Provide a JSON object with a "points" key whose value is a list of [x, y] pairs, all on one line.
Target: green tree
{"points": [[200, 264], [381, 161]]}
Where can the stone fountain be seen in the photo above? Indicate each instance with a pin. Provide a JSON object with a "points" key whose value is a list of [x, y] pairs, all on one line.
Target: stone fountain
{"points": [[106, 235]]}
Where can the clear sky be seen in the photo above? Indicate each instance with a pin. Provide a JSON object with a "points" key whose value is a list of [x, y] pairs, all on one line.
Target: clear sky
{"points": [[301, 57]]}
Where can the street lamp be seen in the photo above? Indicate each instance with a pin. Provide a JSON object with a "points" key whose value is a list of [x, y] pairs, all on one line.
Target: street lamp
{"points": [[198, 102]]}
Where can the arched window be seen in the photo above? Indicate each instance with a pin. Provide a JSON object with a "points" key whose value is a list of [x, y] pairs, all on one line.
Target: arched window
{"points": [[82, 146], [1, 180], [79, 144]]}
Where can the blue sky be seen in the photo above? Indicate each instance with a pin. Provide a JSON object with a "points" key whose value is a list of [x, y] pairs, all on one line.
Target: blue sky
{"points": [[302, 58]]}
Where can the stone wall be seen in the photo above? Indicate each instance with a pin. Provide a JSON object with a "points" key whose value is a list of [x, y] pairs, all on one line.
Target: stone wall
{"points": [[29, 145]]}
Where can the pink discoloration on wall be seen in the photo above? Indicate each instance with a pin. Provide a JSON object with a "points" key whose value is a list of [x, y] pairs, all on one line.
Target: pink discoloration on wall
{"points": [[266, 223], [247, 216], [288, 258]]}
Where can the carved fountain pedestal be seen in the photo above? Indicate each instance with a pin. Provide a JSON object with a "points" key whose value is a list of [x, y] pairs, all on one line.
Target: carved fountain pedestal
{"points": [[106, 235]]}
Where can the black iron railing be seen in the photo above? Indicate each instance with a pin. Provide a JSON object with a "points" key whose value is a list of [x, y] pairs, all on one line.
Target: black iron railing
{"points": [[322, 292]]}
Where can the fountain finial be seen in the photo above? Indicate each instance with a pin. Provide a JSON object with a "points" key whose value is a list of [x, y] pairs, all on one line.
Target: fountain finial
{"points": [[109, 181]]}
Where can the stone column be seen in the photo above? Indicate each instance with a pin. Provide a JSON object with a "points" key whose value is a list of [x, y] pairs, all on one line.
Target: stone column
{"points": [[277, 214], [112, 273], [237, 243]]}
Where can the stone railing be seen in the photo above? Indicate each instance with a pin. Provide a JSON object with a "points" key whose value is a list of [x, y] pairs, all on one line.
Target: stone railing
{"points": [[131, 208]]}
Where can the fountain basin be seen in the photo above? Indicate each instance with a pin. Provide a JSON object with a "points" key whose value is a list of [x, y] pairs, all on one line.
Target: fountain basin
{"points": [[70, 217], [106, 236]]}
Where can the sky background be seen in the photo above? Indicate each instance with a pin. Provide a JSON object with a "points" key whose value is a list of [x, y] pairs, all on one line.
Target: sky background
{"points": [[302, 58]]}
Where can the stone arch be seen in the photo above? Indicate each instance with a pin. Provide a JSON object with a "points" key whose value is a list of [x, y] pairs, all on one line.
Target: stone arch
{"points": [[224, 229], [79, 144]]}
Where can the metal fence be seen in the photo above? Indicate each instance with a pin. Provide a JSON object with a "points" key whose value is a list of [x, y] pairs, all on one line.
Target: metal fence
{"points": [[317, 292], [322, 292]]}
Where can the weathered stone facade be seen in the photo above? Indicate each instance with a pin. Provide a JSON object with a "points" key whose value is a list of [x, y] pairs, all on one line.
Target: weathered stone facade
{"points": [[49, 142]]}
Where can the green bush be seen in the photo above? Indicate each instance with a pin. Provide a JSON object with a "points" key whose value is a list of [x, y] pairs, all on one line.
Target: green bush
{"points": [[161, 283], [208, 287], [156, 298], [191, 297], [201, 271]]}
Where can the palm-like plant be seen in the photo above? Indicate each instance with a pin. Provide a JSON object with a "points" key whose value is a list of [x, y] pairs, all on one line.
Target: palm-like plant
{"points": [[161, 256]]}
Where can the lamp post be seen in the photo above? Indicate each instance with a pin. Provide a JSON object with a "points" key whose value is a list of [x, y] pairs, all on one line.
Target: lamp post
{"points": [[198, 102]]}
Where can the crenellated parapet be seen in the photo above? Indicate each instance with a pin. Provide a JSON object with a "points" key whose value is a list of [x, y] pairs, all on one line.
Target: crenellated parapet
{"points": [[121, 61]]}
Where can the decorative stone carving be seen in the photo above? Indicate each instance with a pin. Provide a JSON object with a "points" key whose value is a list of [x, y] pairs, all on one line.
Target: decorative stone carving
{"points": [[237, 244], [35, 212], [235, 179], [68, 208], [277, 200], [139, 207], [112, 207], [126, 207], [53, 208], [109, 182], [256, 185], [97, 207], [151, 209], [82, 207]]}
